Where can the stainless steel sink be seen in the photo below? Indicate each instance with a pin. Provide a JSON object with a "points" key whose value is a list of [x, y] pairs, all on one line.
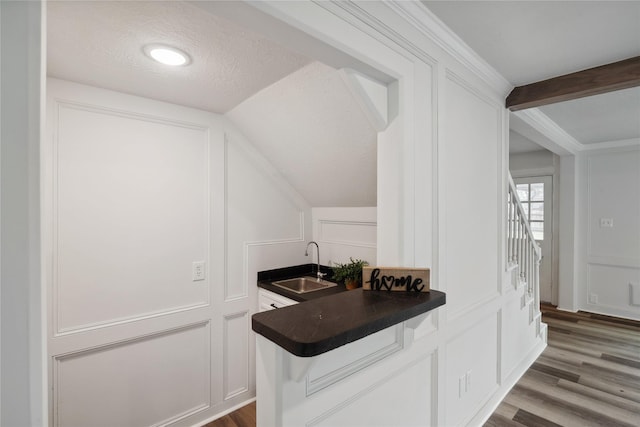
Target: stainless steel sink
{"points": [[302, 285]]}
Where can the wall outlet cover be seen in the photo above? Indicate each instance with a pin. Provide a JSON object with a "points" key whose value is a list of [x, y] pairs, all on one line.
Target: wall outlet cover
{"points": [[634, 294], [606, 222], [593, 299], [198, 271]]}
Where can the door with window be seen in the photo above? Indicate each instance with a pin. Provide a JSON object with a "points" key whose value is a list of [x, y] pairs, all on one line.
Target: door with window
{"points": [[535, 194]]}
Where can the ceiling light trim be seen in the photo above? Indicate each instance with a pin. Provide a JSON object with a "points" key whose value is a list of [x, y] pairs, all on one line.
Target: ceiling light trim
{"points": [[167, 55]]}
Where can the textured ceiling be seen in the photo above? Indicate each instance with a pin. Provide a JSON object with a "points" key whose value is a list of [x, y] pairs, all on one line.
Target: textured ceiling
{"points": [[100, 43], [307, 124], [316, 135]]}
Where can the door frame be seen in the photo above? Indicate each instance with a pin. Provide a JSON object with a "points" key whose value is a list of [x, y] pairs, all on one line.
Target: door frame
{"points": [[555, 230]]}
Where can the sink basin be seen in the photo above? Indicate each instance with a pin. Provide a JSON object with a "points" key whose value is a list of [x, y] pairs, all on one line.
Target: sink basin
{"points": [[302, 285]]}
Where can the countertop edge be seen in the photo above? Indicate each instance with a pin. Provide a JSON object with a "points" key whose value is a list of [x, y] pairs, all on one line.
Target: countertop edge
{"points": [[279, 327]]}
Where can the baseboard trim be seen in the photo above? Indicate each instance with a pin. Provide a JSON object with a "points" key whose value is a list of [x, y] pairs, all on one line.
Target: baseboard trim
{"points": [[489, 408]]}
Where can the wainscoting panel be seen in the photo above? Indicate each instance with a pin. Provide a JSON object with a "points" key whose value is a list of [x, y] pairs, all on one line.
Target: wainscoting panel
{"points": [[236, 354], [469, 215], [611, 288], [151, 380], [471, 374], [260, 211], [404, 389], [344, 233], [131, 208], [342, 362], [348, 232]]}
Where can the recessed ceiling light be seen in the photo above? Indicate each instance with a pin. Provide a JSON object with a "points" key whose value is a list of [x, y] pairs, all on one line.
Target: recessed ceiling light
{"points": [[167, 55]]}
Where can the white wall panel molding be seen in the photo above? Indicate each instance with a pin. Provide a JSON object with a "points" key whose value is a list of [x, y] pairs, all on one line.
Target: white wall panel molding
{"points": [[471, 132], [556, 140], [421, 370], [418, 15], [68, 131], [374, 26], [615, 261], [345, 232], [345, 363], [286, 212], [612, 145], [80, 396], [236, 335], [333, 232], [456, 78], [610, 286], [617, 197]]}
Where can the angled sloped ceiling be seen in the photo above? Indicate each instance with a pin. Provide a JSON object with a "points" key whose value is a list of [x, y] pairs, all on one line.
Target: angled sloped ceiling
{"points": [[312, 130]]}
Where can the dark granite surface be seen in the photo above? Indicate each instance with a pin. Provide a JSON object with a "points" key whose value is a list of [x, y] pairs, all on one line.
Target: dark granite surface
{"points": [[330, 321]]}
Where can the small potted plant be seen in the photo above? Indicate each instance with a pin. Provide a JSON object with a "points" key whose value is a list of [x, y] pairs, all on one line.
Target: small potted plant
{"points": [[349, 273]]}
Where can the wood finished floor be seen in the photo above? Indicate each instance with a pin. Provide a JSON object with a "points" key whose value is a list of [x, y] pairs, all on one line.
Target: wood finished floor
{"points": [[243, 417], [589, 375]]}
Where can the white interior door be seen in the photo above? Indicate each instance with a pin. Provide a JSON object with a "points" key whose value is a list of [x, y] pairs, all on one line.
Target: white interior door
{"points": [[535, 194]]}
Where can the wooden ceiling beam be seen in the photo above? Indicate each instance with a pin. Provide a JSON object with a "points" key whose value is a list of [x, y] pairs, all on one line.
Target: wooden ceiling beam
{"points": [[605, 78]]}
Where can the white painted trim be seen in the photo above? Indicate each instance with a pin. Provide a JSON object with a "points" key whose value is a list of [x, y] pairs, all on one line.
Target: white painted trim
{"points": [[314, 385], [223, 413], [370, 95], [565, 143], [612, 145], [417, 14], [229, 394], [489, 408]]}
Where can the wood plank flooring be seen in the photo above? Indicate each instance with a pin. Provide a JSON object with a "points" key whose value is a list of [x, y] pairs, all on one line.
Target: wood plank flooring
{"points": [[243, 417], [589, 375]]}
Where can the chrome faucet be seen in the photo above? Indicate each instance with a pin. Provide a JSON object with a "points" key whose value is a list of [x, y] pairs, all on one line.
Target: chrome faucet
{"points": [[306, 253]]}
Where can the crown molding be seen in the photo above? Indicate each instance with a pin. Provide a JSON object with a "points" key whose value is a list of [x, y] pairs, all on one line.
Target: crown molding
{"points": [[612, 145], [425, 21], [540, 122]]}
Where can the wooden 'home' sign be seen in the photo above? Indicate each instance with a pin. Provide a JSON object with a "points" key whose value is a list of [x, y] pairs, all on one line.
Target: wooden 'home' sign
{"points": [[395, 279]]}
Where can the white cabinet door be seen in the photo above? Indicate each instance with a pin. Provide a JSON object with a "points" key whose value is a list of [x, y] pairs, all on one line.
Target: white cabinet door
{"points": [[268, 300]]}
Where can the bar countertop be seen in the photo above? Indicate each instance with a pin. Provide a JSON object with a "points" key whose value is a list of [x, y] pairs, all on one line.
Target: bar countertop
{"points": [[323, 324]]}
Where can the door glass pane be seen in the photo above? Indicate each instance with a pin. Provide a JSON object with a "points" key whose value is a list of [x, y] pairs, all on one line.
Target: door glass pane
{"points": [[523, 192], [537, 228], [536, 211], [537, 192]]}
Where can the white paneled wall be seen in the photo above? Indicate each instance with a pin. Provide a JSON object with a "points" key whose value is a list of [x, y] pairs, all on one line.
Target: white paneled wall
{"points": [[139, 191], [471, 196], [609, 269], [342, 233], [442, 183]]}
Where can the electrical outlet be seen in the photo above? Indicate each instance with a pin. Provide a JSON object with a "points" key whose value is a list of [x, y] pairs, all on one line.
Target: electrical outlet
{"points": [[634, 294], [467, 381], [198, 271], [606, 222], [593, 299]]}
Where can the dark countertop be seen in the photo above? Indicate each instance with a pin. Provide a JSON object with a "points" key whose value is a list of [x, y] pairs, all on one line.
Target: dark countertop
{"points": [[265, 279], [328, 321]]}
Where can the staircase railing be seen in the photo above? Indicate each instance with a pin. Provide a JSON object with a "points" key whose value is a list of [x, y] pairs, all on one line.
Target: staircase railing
{"points": [[523, 252]]}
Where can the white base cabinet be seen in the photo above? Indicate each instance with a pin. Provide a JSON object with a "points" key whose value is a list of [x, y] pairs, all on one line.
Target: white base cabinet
{"points": [[268, 300]]}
